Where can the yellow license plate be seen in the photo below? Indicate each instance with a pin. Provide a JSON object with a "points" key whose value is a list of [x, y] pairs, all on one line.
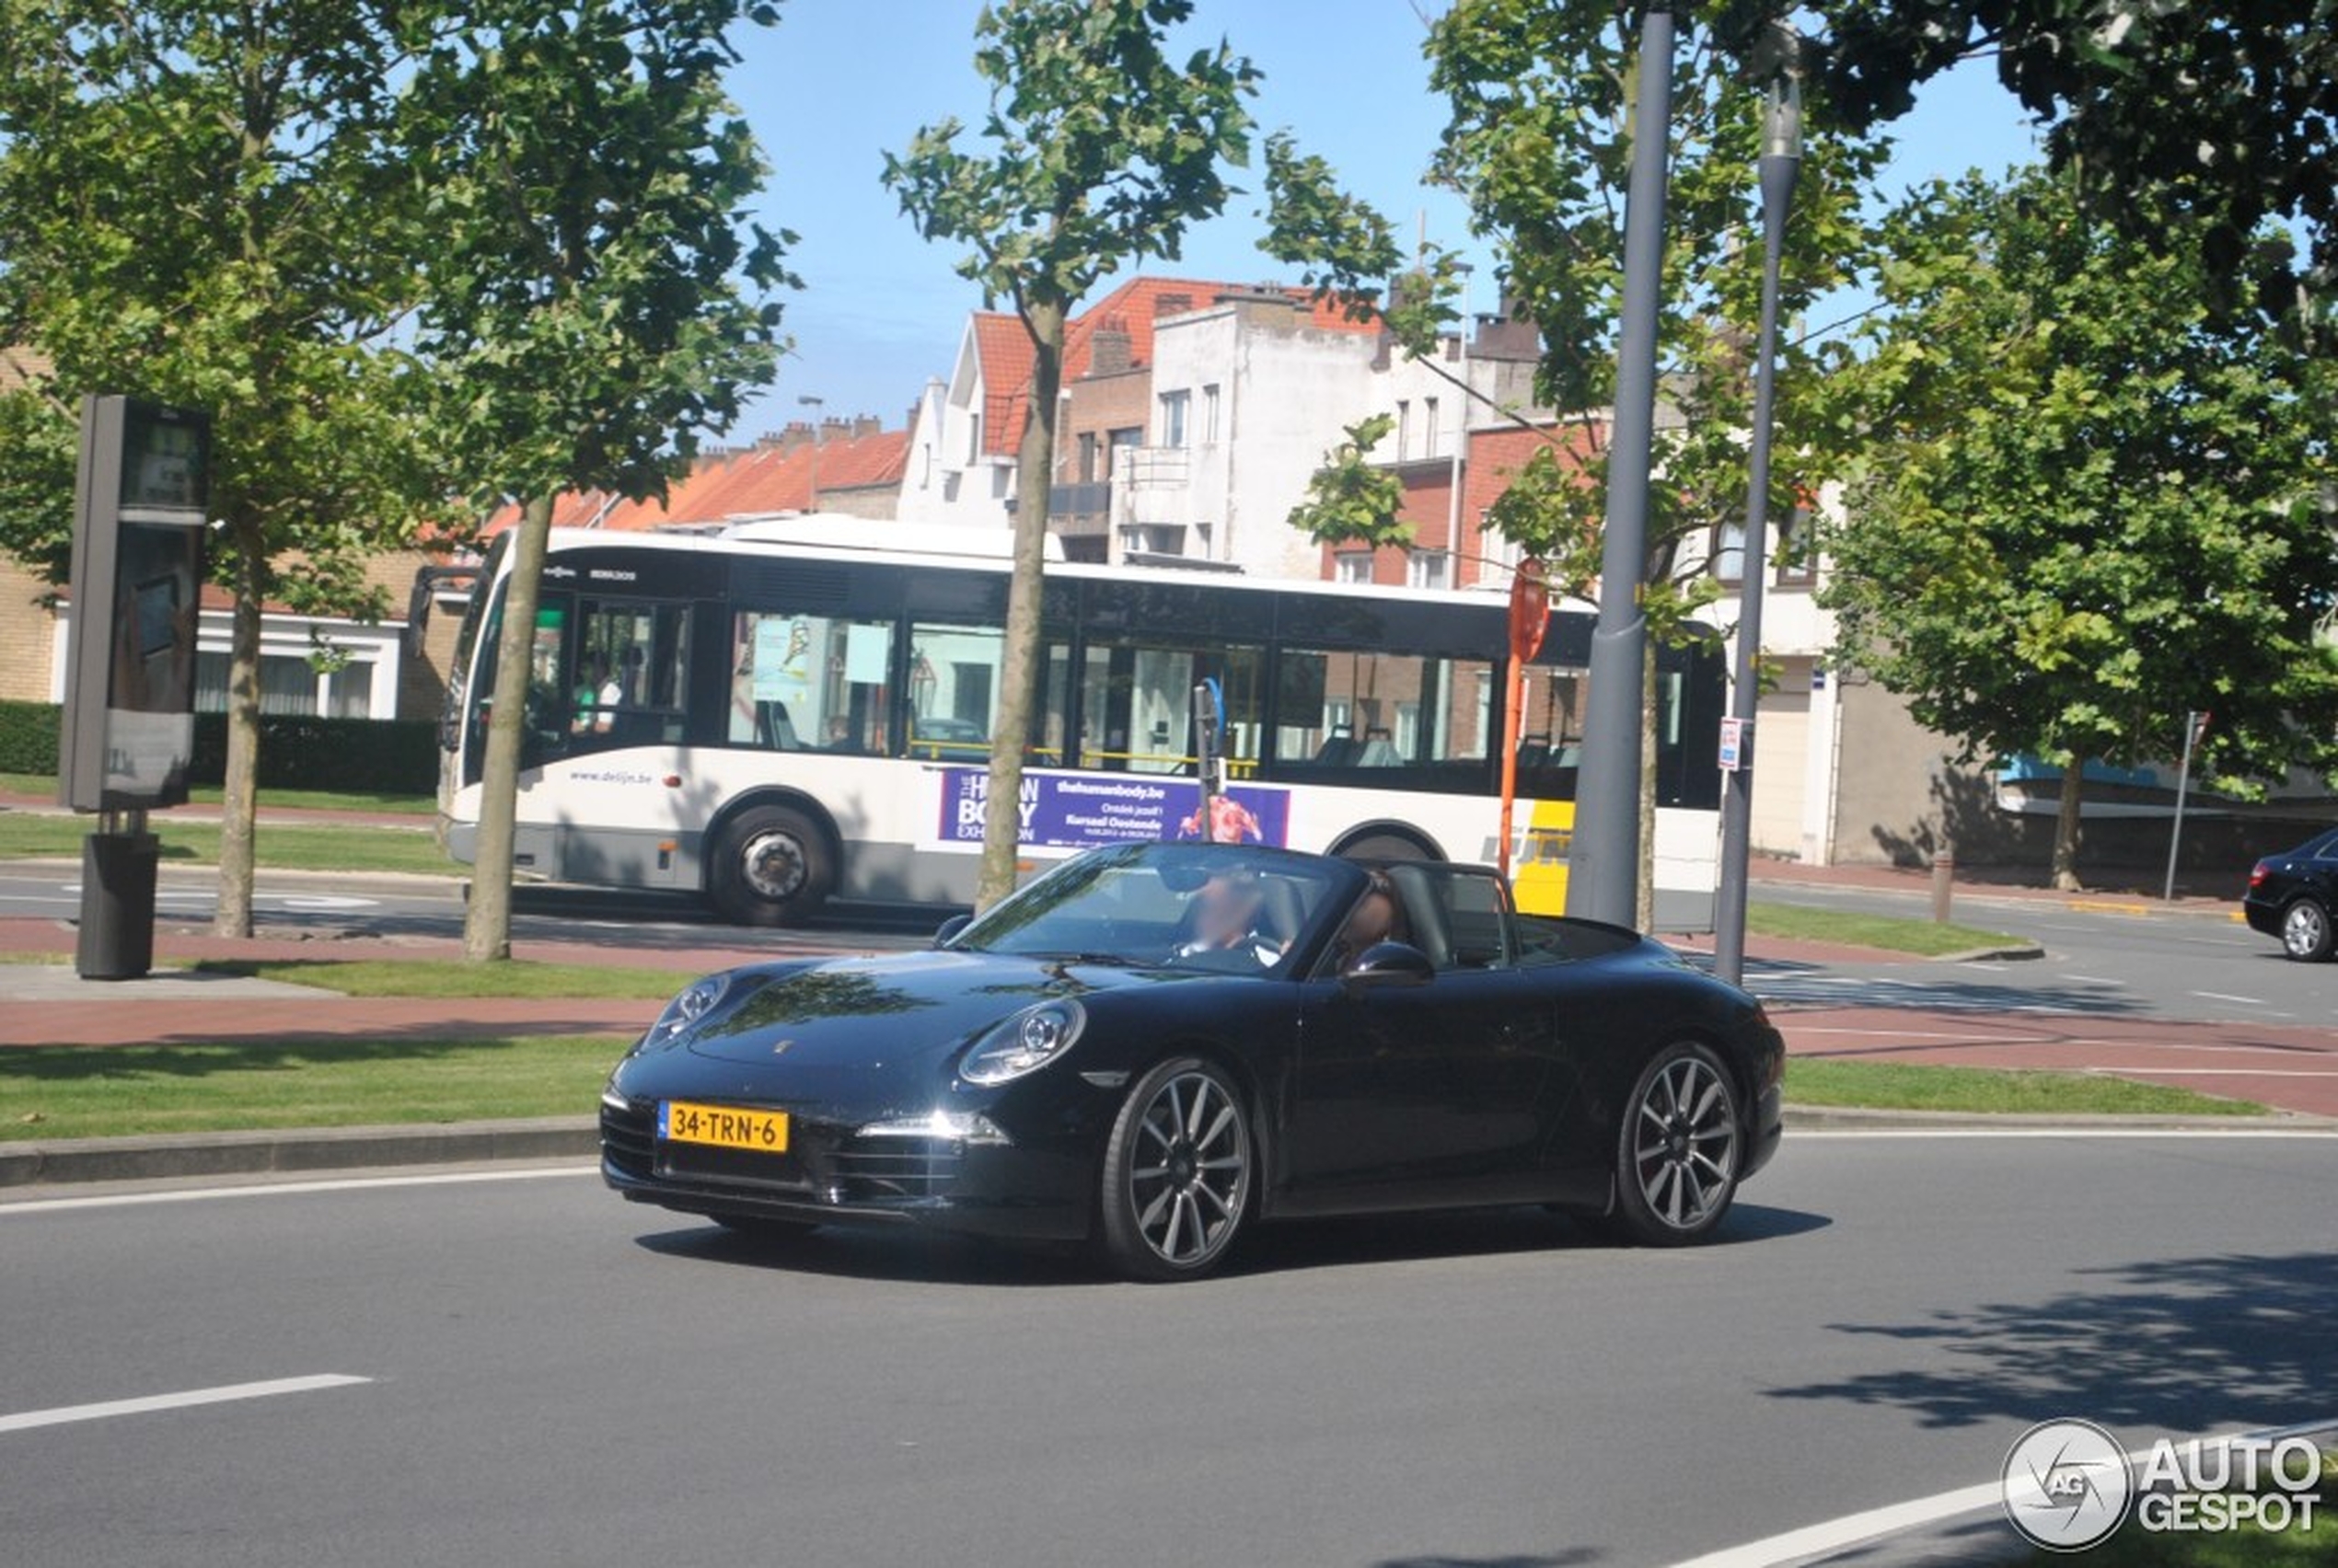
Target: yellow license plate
{"points": [[721, 1126]]}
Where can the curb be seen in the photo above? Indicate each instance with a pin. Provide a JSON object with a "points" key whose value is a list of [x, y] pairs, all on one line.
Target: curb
{"points": [[290, 1150], [293, 1149], [1854, 1118], [2009, 952]]}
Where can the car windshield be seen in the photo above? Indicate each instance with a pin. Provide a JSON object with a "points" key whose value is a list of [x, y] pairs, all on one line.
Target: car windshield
{"points": [[1228, 908]]}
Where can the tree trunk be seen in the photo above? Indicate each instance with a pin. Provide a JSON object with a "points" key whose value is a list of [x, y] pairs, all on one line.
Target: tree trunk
{"points": [[2066, 826], [239, 810], [1021, 660], [487, 923]]}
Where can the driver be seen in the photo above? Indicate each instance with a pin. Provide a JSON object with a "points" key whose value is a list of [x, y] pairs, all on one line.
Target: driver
{"points": [[1223, 917]]}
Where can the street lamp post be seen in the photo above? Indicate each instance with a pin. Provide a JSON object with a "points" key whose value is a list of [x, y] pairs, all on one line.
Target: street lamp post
{"points": [[816, 405], [1602, 873], [1781, 160]]}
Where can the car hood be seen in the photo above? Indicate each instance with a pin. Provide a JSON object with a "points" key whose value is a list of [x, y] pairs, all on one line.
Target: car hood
{"points": [[902, 1010]]}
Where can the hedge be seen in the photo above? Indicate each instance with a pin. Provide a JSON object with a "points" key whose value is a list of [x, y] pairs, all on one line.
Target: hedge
{"points": [[380, 756]]}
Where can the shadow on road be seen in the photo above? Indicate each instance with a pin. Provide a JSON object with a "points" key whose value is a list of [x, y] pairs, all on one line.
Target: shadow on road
{"points": [[2181, 1345], [901, 1256]]}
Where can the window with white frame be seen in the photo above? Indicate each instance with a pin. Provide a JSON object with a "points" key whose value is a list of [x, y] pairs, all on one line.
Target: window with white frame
{"points": [[1351, 566], [1428, 569], [1175, 407], [1210, 414]]}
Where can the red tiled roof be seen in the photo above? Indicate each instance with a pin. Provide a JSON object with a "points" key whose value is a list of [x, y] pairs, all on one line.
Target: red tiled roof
{"points": [[767, 477], [1007, 357]]}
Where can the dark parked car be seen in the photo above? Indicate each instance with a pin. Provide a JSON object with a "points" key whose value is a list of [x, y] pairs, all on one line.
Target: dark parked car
{"points": [[1155, 1044], [2293, 896]]}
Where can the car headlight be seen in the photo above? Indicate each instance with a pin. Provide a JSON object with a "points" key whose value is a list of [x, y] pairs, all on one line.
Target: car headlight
{"points": [[1024, 1043], [693, 1003]]}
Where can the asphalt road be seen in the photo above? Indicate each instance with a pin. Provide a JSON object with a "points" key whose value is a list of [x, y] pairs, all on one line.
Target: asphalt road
{"points": [[2104, 956], [552, 1377]]}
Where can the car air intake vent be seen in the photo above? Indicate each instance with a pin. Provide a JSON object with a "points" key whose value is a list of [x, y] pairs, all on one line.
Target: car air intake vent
{"points": [[626, 1139], [896, 1169]]}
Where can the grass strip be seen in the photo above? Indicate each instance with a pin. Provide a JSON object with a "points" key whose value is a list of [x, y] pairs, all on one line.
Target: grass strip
{"points": [[1926, 938], [1892, 1086], [45, 786], [454, 978], [281, 847], [78, 1091]]}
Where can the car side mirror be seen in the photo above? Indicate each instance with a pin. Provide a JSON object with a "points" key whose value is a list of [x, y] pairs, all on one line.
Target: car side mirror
{"points": [[1388, 965], [948, 930]]}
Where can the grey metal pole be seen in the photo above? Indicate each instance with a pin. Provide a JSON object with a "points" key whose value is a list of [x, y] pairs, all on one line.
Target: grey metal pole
{"points": [[1603, 876], [2184, 785], [1781, 160]]}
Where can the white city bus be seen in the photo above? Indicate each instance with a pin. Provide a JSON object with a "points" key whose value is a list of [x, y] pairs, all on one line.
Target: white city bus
{"points": [[797, 709]]}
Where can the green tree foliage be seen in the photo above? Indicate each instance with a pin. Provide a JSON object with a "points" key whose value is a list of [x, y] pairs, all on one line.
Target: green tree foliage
{"points": [[1540, 144], [2092, 503], [1351, 500], [2222, 114], [1099, 148], [587, 291], [192, 209]]}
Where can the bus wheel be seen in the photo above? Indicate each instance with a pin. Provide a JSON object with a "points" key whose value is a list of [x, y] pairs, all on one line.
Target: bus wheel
{"points": [[1386, 846], [772, 867]]}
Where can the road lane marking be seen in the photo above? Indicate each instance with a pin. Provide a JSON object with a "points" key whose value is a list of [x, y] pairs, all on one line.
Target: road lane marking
{"points": [[288, 1188], [2229, 996], [64, 1415], [2094, 980]]}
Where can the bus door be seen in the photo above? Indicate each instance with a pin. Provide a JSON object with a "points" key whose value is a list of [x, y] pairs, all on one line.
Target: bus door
{"points": [[630, 678], [1136, 703]]}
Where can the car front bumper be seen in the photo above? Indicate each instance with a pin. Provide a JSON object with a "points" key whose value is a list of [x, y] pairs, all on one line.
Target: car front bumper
{"points": [[975, 1181]]}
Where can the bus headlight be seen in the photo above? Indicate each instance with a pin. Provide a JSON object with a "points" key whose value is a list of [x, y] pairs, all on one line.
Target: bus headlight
{"points": [[1023, 1044]]}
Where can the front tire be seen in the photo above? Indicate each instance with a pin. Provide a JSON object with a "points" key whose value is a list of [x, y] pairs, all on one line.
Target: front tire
{"points": [[1678, 1151], [2306, 933], [773, 866], [1177, 1172]]}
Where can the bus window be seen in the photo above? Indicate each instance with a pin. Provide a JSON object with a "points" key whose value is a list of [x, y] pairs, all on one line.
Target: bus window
{"points": [[1392, 718], [630, 689], [1136, 703], [808, 682], [954, 682]]}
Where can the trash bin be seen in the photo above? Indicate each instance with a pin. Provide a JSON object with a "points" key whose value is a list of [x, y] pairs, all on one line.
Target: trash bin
{"points": [[117, 939]]}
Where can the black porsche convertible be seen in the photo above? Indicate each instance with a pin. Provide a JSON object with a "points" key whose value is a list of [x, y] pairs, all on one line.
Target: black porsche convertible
{"points": [[1153, 1045]]}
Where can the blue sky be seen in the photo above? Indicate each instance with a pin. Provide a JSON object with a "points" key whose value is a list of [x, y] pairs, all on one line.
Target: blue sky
{"points": [[839, 83]]}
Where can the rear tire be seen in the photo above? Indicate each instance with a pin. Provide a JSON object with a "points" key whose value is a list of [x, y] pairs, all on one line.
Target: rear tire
{"points": [[1678, 1150], [773, 866], [2306, 933], [1177, 1172]]}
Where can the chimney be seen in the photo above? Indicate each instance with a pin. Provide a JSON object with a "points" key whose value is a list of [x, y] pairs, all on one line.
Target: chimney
{"points": [[1170, 305], [865, 425], [1110, 351], [796, 435]]}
